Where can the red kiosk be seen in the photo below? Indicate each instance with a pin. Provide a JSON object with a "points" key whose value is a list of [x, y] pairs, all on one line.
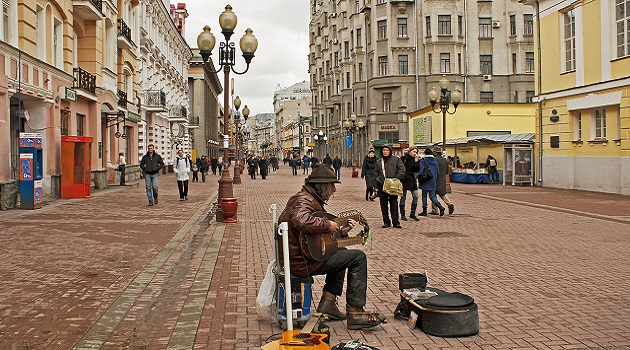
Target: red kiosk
{"points": [[76, 166]]}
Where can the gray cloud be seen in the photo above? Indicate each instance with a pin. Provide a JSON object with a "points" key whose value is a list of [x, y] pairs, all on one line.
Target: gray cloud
{"points": [[281, 27]]}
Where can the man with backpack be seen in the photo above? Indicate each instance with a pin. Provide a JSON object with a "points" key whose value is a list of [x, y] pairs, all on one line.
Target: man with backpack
{"points": [[491, 165], [427, 176]]}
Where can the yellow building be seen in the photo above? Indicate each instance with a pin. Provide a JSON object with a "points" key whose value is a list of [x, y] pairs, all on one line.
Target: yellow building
{"points": [[583, 94], [471, 131]]}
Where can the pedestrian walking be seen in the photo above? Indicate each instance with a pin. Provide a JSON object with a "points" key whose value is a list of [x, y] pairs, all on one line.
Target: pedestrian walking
{"points": [[122, 163], [202, 164], [214, 163], [336, 164], [440, 189], [151, 164], [295, 164], [491, 165], [195, 172], [368, 171], [390, 166], [306, 163], [252, 164], [428, 187], [410, 183], [327, 160], [264, 167], [220, 164], [182, 174]]}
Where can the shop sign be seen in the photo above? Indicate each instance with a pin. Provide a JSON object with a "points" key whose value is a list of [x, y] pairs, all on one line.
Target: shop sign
{"points": [[70, 95], [131, 116], [388, 127]]}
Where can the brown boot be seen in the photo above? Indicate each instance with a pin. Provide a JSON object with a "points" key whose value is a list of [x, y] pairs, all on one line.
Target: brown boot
{"points": [[328, 306], [361, 319]]}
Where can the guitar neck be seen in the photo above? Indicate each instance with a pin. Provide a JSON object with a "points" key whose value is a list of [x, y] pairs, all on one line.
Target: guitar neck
{"points": [[344, 242]]}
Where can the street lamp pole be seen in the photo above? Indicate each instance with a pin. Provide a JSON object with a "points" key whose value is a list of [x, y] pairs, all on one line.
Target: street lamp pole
{"points": [[321, 139], [227, 53], [445, 98], [237, 117]]}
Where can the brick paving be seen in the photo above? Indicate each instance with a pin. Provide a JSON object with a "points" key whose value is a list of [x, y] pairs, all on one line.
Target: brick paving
{"points": [[548, 268]]}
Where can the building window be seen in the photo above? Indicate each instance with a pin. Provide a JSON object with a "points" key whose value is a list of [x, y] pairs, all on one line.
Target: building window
{"points": [[515, 96], [428, 22], [528, 30], [378, 2], [486, 97], [569, 40], [361, 105], [403, 64], [382, 30], [337, 87], [600, 123], [387, 102], [357, 7], [382, 65], [486, 64], [368, 34], [445, 62], [346, 49], [390, 136], [622, 19], [529, 62], [444, 25], [6, 8], [529, 96], [65, 122], [513, 25], [348, 80], [460, 26], [402, 28], [359, 44], [430, 63], [577, 118], [345, 20], [459, 63], [514, 65], [485, 27], [360, 71], [80, 125]]}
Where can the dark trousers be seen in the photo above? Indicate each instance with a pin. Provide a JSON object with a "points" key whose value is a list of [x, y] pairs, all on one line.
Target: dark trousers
{"points": [[390, 201], [195, 176], [294, 170], [183, 188], [121, 168], [203, 175], [355, 262]]}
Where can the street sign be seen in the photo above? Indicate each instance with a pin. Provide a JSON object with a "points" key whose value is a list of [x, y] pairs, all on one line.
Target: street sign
{"points": [[348, 141]]}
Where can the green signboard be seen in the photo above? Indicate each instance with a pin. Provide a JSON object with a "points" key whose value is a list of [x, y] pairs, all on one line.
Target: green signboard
{"points": [[131, 116]]}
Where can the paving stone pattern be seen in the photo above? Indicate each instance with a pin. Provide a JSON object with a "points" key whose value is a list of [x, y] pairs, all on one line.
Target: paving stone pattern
{"points": [[548, 268]]}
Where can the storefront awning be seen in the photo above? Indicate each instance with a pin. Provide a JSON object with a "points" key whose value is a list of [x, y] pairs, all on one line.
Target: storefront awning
{"points": [[490, 139]]}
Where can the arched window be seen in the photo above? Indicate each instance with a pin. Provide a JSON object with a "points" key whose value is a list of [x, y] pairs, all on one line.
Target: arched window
{"points": [[41, 33]]}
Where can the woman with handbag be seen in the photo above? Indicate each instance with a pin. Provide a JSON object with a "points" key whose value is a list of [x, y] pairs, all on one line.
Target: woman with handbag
{"points": [[122, 163], [428, 184], [389, 173]]}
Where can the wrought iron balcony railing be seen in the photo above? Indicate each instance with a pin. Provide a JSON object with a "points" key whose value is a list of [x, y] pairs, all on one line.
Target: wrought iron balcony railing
{"points": [[155, 98], [122, 98], [84, 80], [193, 120], [184, 112], [123, 29], [98, 4]]}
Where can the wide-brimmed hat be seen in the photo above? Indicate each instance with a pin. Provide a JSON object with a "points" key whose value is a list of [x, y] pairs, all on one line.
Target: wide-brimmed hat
{"points": [[437, 149], [322, 174]]}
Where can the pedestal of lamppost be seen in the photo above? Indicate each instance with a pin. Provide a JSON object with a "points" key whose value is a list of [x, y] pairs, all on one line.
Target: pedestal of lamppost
{"points": [[227, 55]]}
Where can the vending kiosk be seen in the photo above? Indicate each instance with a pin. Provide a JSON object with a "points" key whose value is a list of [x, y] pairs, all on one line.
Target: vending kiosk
{"points": [[31, 170], [76, 166]]}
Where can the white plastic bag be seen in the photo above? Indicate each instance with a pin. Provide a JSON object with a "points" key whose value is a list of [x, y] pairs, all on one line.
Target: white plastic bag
{"points": [[264, 302]]}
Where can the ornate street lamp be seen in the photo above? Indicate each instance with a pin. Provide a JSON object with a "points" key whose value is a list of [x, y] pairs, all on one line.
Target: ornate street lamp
{"points": [[227, 53], [321, 138], [445, 98], [237, 138]]}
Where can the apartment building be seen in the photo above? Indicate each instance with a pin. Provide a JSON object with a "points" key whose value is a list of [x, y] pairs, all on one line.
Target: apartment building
{"points": [[583, 95], [378, 59], [292, 108], [86, 69]]}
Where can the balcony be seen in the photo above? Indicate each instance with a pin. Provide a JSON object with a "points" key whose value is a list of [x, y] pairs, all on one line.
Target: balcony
{"points": [[178, 114], [90, 10], [124, 35], [155, 101], [84, 80], [193, 122], [122, 99]]}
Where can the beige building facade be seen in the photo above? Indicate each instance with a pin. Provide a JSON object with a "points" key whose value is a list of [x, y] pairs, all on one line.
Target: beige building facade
{"points": [[292, 108]]}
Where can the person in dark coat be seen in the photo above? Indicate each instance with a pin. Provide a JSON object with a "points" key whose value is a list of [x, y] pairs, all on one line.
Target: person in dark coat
{"points": [[440, 189], [202, 165], [368, 172], [151, 164], [336, 164], [214, 163], [394, 168], [327, 160], [298, 214], [252, 165], [295, 163], [491, 165], [263, 165], [428, 187], [410, 183], [306, 163]]}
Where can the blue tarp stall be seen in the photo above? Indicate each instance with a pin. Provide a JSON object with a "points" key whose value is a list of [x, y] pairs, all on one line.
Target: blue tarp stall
{"points": [[516, 158]]}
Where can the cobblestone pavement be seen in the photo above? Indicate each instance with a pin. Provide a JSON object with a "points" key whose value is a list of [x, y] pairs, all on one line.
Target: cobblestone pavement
{"points": [[548, 268]]}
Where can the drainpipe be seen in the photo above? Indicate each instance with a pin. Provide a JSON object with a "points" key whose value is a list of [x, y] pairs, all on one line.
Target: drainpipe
{"points": [[417, 30], [465, 24], [540, 101]]}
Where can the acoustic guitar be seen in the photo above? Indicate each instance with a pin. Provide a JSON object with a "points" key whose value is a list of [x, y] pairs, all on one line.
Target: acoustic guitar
{"points": [[323, 246], [301, 339]]}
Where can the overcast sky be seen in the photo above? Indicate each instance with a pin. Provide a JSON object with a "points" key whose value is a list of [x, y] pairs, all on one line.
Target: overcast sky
{"points": [[281, 27]]}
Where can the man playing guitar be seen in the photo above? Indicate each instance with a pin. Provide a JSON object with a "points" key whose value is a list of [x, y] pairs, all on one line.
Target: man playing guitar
{"points": [[299, 214]]}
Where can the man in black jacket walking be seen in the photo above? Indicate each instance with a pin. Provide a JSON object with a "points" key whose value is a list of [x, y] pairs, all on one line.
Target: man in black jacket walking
{"points": [[151, 164]]}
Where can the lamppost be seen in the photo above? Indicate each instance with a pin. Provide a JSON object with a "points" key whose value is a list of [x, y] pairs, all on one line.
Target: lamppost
{"points": [[227, 53], [237, 122], [352, 126], [445, 98], [321, 138]]}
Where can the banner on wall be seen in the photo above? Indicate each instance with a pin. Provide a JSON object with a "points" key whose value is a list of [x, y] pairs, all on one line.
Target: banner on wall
{"points": [[422, 130]]}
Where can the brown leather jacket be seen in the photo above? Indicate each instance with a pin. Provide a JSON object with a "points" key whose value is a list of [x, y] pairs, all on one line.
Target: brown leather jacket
{"points": [[297, 214]]}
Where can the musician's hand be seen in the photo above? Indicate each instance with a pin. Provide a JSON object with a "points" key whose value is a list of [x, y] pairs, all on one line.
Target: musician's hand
{"points": [[347, 227], [334, 227]]}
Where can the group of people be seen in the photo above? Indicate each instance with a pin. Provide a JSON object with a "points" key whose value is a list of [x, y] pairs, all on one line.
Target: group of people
{"points": [[407, 170], [261, 165]]}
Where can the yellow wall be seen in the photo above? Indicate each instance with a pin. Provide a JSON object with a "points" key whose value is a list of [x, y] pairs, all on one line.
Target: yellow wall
{"points": [[516, 118], [592, 42]]}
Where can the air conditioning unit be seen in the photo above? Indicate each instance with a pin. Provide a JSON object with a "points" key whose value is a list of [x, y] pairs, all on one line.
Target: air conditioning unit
{"points": [[487, 77], [496, 24]]}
